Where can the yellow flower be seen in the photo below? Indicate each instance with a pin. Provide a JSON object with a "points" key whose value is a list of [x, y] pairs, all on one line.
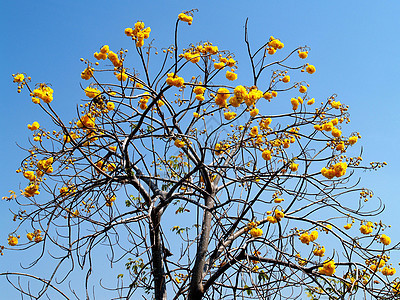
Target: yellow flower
{"points": [[303, 54], [256, 232], [86, 121], [305, 238], [34, 126], [352, 140], [275, 43], [110, 105], [174, 80], [44, 92], [328, 268], [266, 154], [319, 252], [111, 167], [110, 201], [240, 92], [336, 132], [385, 239], [348, 226], [185, 18], [279, 214], [196, 115], [311, 101], [286, 78], [302, 89], [340, 169], [122, 76], [19, 77], [254, 131], [335, 104], [179, 143], [12, 240], [30, 175], [254, 112], [327, 126], [219, 65], [294, 167], [365, 229], [231, 76], [199, 90], [313, 235], [229, 115], [310, 69], [92, 92], [30, 236], [31, 190], [278, 200], [87, 73], [295, 103]]}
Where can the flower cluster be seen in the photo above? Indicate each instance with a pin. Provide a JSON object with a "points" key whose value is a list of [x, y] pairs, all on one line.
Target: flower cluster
{"points": [[222, 95], [185, 18], [302, 54], [273, 45], [328, 268], [367, 228], [338, 170], [139, 33], [306, 238], [199, 91], [192, 55], [110, 200], [43, 92], [92, 92], [143, 101], [319, 251], [35, 126], [384, 239], [277, 217], [180, 144], [87, 73], [230, 75], [35, 236], [116, 61], [174, 80], [12, 240], [103, 53], [87, 121]]}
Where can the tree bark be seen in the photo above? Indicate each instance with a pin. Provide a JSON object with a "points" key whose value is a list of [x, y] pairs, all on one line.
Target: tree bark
{"points": [[196, 290], [160, 291]]}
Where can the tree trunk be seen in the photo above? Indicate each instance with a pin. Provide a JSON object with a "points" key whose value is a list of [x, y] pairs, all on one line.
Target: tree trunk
{"points": [[196, 290], [160, 291]]}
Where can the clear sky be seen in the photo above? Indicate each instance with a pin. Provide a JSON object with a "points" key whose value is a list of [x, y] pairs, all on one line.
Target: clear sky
{"points": [[354, 45]]}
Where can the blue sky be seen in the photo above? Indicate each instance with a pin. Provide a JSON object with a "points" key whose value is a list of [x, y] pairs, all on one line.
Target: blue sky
{"points": [[354, 45]]}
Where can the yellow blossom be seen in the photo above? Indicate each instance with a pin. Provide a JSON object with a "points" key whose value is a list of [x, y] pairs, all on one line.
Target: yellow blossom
{"points": [[256, 232], [12, 240], [34, 126], [310, 69], [185, 18], [302, 89], [179, 143], [385, 239], [328, 268], [231, 75], [110, 105]]}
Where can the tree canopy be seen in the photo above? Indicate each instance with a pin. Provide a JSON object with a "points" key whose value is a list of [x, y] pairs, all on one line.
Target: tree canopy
{"points": [[197, 183]]}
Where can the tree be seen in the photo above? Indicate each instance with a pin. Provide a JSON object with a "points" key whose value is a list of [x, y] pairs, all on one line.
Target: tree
{"points": [[260, 191]]}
